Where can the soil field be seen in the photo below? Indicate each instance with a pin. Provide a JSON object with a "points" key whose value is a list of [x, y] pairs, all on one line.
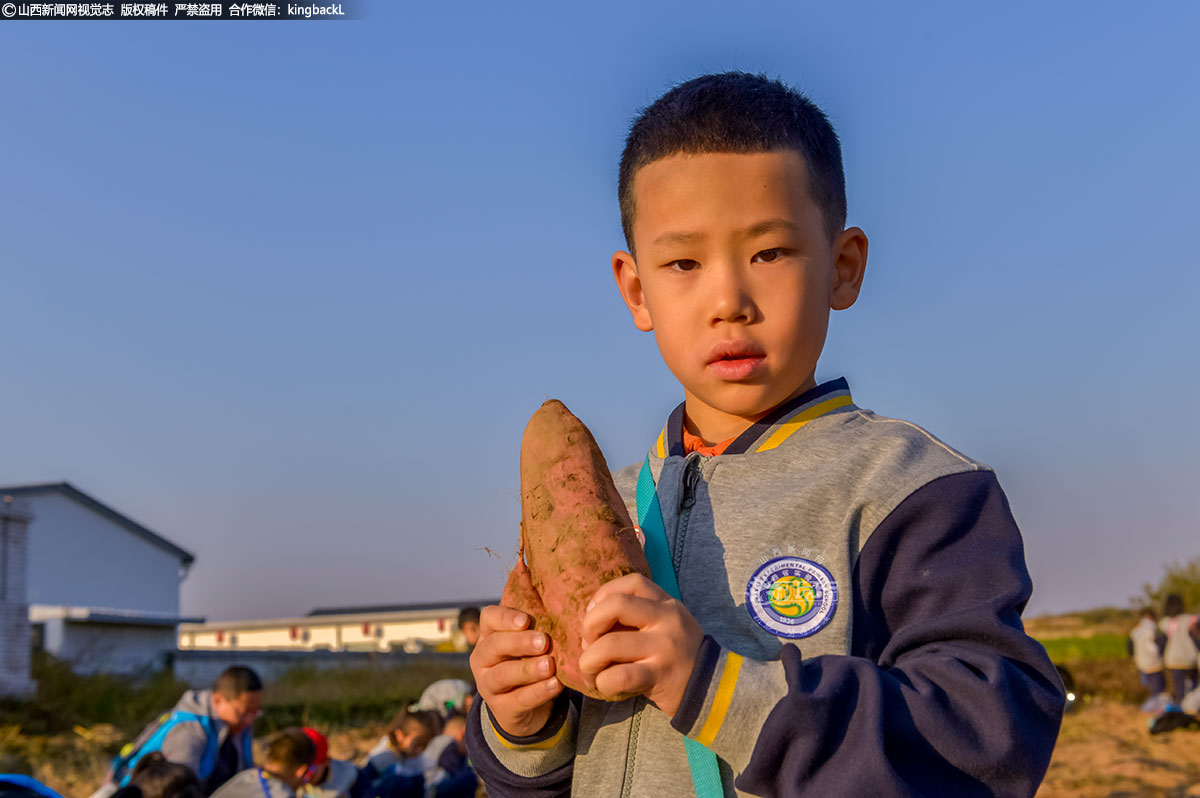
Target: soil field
{"points": [[1106, 751]]}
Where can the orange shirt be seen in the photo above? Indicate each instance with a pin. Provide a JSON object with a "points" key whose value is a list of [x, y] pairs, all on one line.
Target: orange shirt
{"points": [[693, 444]]}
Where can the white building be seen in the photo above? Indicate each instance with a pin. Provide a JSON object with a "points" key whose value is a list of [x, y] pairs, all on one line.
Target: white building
{"points": [[397, 627], [103, 590]]}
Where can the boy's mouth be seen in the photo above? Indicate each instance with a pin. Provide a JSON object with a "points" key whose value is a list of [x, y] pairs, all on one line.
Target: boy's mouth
{"points": [[735, 360]]}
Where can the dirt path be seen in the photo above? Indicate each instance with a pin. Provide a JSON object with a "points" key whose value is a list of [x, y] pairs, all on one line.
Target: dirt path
{"points": [[1106, 751]]}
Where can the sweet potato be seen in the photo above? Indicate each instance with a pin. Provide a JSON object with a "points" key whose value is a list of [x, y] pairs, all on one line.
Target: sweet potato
{"points": [[575, 534]]}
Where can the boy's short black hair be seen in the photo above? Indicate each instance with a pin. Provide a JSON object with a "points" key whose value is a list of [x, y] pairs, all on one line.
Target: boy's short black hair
{"points": [[1173, 605], [468, 615], [155, 777], [291, 749], [741, 113], [236, 680]]}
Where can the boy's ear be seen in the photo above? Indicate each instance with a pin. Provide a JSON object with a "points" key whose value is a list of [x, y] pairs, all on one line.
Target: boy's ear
{"points": [[630, 286], [849, 266]]}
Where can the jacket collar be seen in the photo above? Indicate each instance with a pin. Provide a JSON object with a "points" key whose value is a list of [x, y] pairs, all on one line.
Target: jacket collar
{"points": [[770, 430]]}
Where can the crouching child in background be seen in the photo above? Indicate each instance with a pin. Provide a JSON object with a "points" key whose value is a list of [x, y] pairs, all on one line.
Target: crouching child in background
{"points": [[155, 777], [332, 778], [448, 774], [395, 766], [290, 756]]}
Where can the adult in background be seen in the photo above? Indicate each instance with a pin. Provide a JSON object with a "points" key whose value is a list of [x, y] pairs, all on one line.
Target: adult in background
{"points": [[1181, 652], [210, 731]]}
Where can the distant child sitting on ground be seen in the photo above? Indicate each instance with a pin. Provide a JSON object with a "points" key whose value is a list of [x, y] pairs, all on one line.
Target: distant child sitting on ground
{"points": [[447, 772], [847, 614], [155, 777], [331, 778], [289, 756], [395, 766], [447, 696], [1146, 645]]}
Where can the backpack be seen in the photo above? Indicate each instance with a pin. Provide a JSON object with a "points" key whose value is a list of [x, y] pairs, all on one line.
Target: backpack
{"points": [[128, 757]]}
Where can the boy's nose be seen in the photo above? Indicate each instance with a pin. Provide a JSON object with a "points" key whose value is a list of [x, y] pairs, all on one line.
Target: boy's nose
{"points": [[730, 299]]}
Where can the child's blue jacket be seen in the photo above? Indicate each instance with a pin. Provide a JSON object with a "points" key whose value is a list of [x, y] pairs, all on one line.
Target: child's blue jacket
{"points": [[860, 584]]}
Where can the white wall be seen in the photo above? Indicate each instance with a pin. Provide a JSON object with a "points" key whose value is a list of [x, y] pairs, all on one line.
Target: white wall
{"points": [[110, 648], [383, 633], [79, 558]]}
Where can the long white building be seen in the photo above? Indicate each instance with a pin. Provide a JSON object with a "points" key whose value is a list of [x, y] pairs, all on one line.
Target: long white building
{"points": [[406, 627]]}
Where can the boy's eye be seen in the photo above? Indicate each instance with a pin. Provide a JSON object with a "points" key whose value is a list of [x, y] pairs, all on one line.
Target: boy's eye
{"points": [[768, 255], [683, 265]]}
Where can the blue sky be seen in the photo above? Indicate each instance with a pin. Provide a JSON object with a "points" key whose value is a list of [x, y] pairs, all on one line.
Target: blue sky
{"points": [[287, 293]]}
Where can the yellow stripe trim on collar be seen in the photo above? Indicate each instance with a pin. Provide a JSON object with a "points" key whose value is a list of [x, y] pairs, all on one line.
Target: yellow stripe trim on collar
{"points": [[660, 446], [720, 707], [543, 745], [790, 427]]}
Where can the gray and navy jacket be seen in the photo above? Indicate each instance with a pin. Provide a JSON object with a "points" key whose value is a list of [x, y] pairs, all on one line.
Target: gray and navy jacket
{"points": [[860, 585]]}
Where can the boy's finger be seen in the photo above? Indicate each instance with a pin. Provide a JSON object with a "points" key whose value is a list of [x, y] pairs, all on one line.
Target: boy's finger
{"points": [[495, 618], [613, 648], [534, 695], [516, 673], [634, 584], [502, 646], [623, 679], [619, 609]]}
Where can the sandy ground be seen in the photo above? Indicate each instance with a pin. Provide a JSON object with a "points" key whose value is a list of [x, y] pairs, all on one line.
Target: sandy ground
{"points": [[1106, 751]]}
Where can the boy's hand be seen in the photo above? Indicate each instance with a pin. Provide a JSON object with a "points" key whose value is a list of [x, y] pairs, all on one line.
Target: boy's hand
{"points": [[639, 640], [517, 684]]}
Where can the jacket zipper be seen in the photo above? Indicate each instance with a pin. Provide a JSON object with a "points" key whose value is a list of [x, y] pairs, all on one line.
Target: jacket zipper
{"points": [[634, 728], [691, 478]]}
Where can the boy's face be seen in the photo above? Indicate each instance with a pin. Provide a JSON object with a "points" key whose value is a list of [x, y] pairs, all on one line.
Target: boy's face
{"points": [[736, 276]]}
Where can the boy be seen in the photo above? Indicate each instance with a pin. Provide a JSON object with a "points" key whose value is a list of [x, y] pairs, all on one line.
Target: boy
{"points": [[209, 731], [851, 587], [1146, 645], [289, 758], [448, 774], [446, 696], [396, 766], [331, 778]]}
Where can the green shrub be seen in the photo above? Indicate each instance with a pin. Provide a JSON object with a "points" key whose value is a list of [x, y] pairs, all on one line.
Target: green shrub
{"points": [[65, 699], [334, 698], [1180, 578]]}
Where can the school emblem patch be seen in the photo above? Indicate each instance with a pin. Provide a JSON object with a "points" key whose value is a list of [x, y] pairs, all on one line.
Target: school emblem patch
{"points": [[791, 597]]}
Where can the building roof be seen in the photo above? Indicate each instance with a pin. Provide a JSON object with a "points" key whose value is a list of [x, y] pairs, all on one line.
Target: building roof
{"points": [[72, 492], [377, 609], [46, 612]]}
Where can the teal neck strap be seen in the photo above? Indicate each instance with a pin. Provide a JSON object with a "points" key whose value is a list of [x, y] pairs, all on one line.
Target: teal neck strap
{"points": [[702, 762]]}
